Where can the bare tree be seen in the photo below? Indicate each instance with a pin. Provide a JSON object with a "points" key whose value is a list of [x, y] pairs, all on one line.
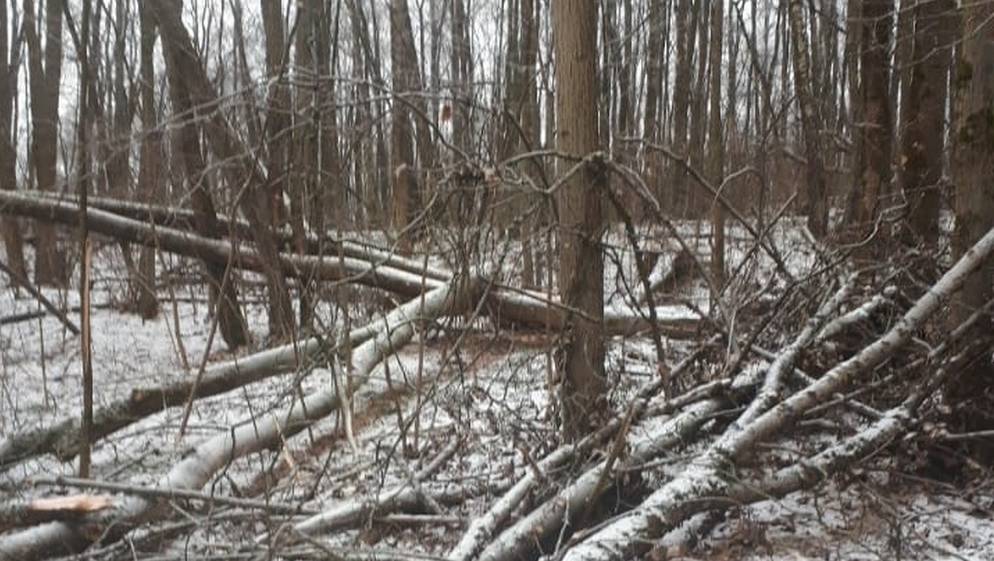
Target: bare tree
{"points": [[581, 268], [224, 293], [923, 117], [10, 56], [45, 69], [973, 167], [873, 173], [817, 205]]}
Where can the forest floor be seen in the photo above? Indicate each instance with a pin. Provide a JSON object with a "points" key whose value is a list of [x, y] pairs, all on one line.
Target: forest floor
{"points": [[491, 392]]}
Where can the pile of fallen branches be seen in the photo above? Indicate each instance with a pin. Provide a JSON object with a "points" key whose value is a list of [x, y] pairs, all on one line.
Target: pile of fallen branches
{"points": [[768, 424]]}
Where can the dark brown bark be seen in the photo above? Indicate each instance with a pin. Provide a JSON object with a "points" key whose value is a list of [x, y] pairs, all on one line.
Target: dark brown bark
{"points": [[681, 103], [923, 119], [817, 204], [716, 145], [9, 64], [238, 165], [971, 393], [150, 163], [407, 193], [45, 71], [873, 171], [581, 275], [231, 322]]}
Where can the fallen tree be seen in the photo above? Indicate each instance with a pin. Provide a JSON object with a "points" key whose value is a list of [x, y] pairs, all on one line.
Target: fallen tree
{"points": [[703, 485], [184, 219], [63, 439], [264, 431], [505, 304]]}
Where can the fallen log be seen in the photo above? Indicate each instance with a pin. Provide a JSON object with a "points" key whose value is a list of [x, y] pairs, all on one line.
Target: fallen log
{"points": [[184, 219], [505, 304], [346, 513], [62, 439], [631, 534], [264, 431]]}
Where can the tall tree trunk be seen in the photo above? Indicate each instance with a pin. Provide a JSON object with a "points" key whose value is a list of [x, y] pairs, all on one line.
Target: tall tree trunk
{"points": [[150, 168], [716, 145], [681, 101], [9, 64], [873, 171], [923, 119], [277, 125], [581, 268], [406, 188], [304, 165], [238, 164], [651, 130], [817, 204], [462, 77], [224, 293], [971, 394], [46, 75], [698, 107]]}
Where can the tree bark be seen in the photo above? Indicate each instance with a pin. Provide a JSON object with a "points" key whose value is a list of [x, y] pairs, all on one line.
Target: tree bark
{"points": [[10, 53], [817, 204], [46, 73], [970, 393], [150, 163], [876, 129], [581, 269], [924, 119], [238, 164]]}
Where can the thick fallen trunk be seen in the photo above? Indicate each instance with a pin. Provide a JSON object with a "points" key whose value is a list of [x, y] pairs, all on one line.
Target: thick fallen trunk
{"points": [[62, 439], [505, 304], [267, 430], [183, 219], [631, 534]]}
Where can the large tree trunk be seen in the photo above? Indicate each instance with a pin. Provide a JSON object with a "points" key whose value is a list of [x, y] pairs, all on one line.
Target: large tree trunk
{"points": [[150, 163], [224, 294], [971, 394], [581, 269], [876, 129], [817, 205], [407, 193], [681, 105], [9, 64], [238, 165], [923, 119], [46, 74]]}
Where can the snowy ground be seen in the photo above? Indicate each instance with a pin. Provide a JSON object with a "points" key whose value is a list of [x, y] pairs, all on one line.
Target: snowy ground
{"points": [[492, 392]]}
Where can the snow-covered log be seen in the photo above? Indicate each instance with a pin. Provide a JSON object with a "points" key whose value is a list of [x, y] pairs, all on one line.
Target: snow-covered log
{"points": [[62, 439], [399, 498], [505, 304], [197, 469], [632, 533]]}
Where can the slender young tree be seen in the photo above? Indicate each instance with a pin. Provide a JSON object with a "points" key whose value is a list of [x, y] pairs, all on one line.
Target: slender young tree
{"points": [[581, 267], [716, 144]]}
